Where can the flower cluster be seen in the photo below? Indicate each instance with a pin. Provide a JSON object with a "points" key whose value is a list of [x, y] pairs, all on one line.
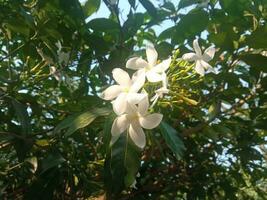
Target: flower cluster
{"points": [[129, 99]]}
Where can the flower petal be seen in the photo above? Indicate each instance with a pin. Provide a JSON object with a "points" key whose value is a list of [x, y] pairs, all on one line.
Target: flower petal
{"points": [[143, 106], [151, 54], [121, 77], [197, 48], [199, 68], [207, 66], [164, 80], [189, 57], [137, 134], [138, 80], [120, 103], [154, 100], [131, 109], [151, 121], [136, 63], [111, 92], [163, 66], [161, 91], [208, 54], [153, 76], [119, 125], [135, 98]]}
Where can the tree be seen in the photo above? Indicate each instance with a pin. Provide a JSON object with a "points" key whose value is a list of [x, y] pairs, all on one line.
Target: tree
{"points": [[55, 130]]}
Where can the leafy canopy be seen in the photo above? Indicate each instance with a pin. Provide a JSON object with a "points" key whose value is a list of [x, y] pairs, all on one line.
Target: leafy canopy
{"points": [[55, 131]]}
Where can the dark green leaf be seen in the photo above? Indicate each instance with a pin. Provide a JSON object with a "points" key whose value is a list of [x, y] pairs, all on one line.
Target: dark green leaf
{"points": [[91, 6], [103, 25], [149, 7], [122, 164], [132, 3], [185, 3], [172, 139], [257, 38], [256, 61], [52, 160], [191, 24], [23, 117], [75, 122]]}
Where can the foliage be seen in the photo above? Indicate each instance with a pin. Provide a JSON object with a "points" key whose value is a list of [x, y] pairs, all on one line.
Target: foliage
{"points": [[55, 130]]}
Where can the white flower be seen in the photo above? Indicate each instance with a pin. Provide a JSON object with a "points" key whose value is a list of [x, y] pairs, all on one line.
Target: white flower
{"points": [[161, 91], [150, 68], [57, 74], [200, 60], [159, 94], [135, 119], [125, 92], [63, 57]]}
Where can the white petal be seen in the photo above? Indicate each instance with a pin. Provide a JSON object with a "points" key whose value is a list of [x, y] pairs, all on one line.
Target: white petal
{"points": [[164, 80], [138, 81], [131, 109], [52, 70], [151, 121], [121, 77], [199, 68], [136, 63], [143, 106], [137, 135], [153, 76], [197, 47], [119, 125], [163, 66], [154, 100], [111, 92], [151, 54], [207, 66], [189, 57], [161, 91], [135, 98], [120, 103], [209, 54]]}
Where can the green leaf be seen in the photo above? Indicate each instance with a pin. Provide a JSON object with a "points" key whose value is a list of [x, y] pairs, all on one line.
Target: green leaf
{"points": [[91, 6], [164, 49], [152, 11], [52, 160], [106, 131], [213, 110], [18, 26], [256, 61], [122, 164], [167, 33], [258, 38], [132, 3], [103, 25], [172, 139], [81, 120], [185, 3], [190, 25], [23, 117]]}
